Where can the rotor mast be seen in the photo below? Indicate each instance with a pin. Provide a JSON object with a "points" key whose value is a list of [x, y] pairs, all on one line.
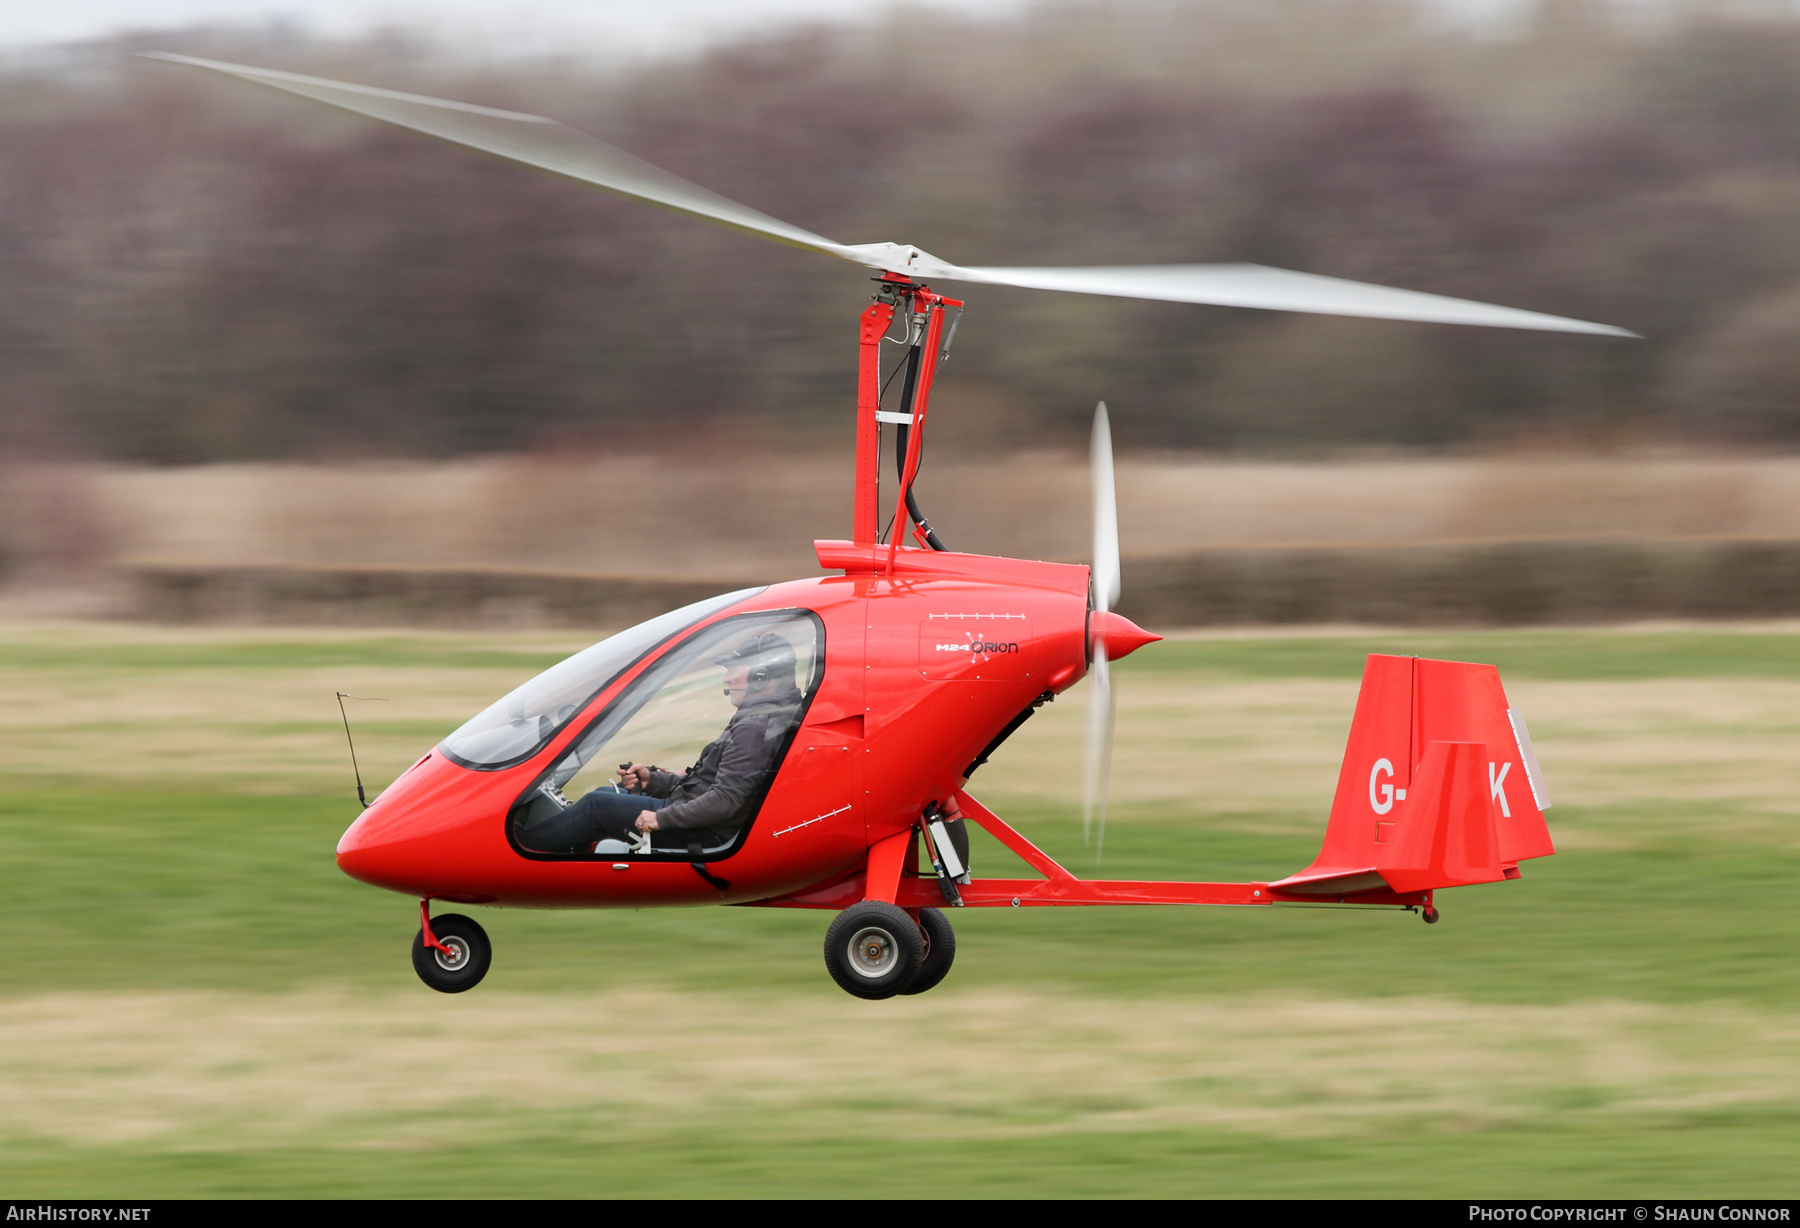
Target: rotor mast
{"points": [[923, 312]]}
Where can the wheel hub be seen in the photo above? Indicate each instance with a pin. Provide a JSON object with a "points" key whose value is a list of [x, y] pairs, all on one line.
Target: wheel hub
{"points": [[873, 952]]}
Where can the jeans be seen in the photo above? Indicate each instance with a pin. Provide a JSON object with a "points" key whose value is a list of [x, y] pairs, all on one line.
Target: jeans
{"points": [[599, 815]]}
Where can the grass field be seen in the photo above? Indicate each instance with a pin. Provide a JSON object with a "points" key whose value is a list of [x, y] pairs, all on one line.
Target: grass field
{"points": [[197, 1003]]}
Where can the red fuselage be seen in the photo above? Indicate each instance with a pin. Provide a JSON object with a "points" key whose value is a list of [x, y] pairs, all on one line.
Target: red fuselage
{"points": [[923, 666]]}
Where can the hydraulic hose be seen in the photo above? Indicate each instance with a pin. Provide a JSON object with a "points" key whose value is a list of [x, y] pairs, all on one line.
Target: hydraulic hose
{"points": [[907, 391]]}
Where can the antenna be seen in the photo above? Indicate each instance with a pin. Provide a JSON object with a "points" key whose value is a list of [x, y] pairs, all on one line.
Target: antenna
{"points": [[341, 697]]}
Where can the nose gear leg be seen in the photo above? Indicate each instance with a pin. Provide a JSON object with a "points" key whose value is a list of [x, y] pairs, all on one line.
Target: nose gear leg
{"points": [[431, 941]]}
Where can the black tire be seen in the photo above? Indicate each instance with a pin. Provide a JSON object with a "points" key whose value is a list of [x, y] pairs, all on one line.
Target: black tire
{"points": [[940, 950], [873, 950], [444, 973]]}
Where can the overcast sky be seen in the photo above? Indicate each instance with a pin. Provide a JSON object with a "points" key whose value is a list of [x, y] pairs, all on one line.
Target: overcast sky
{"points": [[603, 27], [628, 26]]}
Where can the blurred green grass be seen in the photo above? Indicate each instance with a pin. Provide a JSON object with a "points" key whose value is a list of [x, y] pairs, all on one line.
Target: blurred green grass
{"points": [[203, 886], [158, 889], [1747, 1154]]}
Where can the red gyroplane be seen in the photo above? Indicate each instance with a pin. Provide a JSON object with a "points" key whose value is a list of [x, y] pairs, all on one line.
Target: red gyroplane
{"points": [[900, 674]]}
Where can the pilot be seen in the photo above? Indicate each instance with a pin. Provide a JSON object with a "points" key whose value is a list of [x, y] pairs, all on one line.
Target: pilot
{"points": [[705, 805]]}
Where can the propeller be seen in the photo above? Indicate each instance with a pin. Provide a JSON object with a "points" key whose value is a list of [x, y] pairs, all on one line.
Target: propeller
{"points": [[1097, 778], [551, 146]]}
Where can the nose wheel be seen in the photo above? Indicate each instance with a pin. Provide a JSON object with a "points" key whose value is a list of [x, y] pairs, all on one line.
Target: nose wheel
{"points": [[460, 956]]}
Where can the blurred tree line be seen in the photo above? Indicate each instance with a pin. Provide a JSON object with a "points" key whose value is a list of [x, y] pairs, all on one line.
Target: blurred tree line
{"points": [[195, 269]]}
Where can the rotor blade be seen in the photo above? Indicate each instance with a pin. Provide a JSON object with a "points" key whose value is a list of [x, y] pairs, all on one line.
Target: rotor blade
{"points": [[1106, 514], [1097, 777], [533, 140], [1255, 285], [551, 146]]}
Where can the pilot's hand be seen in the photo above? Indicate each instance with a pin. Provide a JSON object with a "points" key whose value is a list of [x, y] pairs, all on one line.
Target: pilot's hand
{"points": [[635, 777], [646, 820]]}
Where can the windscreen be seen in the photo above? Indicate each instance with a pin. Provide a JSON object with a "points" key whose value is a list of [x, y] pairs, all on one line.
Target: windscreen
{"points": [[513, 728], [671, 711]]}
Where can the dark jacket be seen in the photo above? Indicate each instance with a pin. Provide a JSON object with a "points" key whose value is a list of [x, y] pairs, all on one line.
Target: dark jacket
{"points": [[716, 792]]}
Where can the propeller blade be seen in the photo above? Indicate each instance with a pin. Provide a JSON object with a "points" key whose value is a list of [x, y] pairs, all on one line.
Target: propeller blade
{"points": [[531, 139], [1106, 514], [1256, 285], [1097, 778], [551, 146]]}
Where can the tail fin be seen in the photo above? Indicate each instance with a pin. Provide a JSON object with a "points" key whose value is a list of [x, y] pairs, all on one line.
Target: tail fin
{"points": [[1439, 787]]}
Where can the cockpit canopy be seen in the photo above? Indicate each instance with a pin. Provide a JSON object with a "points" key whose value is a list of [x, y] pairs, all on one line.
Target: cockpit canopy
{"points": [[762, 667], [516, 726]]}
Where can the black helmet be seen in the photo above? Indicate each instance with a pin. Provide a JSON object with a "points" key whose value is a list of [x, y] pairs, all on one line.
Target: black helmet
{"points": [[769, 657]]}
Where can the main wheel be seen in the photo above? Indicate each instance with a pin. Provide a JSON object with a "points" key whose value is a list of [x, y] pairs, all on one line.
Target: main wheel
{"points": [[940, 950], [873, 950], [468, 960]]}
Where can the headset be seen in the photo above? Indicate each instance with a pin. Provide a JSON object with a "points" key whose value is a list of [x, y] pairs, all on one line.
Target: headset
{"points": [[761, 674]]}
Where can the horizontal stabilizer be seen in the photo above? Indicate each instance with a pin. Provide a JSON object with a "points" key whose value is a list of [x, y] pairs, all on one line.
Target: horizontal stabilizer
{"points": [[1331, 880]]}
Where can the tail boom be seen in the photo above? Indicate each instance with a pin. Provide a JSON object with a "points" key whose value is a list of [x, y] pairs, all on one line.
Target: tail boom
{"points": [[1060, 888], [916, 893]]}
